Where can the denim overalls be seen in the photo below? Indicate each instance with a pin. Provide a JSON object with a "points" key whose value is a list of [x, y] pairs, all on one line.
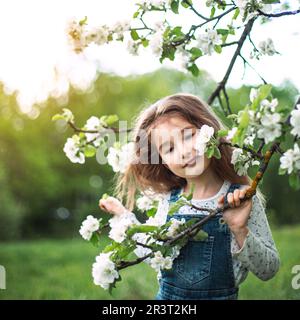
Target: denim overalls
{"points": [[203, 269]]}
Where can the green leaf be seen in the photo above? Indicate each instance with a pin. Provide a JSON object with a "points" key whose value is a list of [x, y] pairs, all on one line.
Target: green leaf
{"points": [[196, 53], [185, 3], [222, 133], [271, 1], [145, 42], [95, 239], [294, 181], [83, 21], [112, 246], [264, 91], [190, 195], [281, 171], [232, 116], [218, 49], [175, 206], [174, 6], [89, 151], [222, 31], [110, 119], [212, 12], [176, 31], [58, 117], [217, 153], [135, 15], [140, 228], [151, 212], [194, 70], [134, 35], [201, 235], [104, 196], [236, 13], [244, 119], [210, 151]]}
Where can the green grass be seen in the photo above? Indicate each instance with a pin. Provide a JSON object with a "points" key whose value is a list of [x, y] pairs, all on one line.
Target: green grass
{"points": [[61, 269]]}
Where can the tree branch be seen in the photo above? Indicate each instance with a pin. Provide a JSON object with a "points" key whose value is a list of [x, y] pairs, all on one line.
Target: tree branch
{"points": [[241, 41]]}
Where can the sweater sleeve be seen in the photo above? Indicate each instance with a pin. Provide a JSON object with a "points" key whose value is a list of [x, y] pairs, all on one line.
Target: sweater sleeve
{"points": [[258, 253]]}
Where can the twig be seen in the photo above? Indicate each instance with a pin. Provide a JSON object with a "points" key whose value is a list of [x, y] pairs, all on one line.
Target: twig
{"points": [[280, 14], [253, 152], [246, 62]]}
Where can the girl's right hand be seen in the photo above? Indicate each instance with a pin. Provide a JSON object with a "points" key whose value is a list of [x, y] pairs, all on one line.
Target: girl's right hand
{"points": [[112, 205]]}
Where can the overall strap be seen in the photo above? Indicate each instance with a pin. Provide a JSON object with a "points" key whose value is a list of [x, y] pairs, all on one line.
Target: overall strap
{"points": [[175, 192], [231, 188]]}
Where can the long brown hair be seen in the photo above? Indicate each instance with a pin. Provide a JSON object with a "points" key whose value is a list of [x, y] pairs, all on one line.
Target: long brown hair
{"points": [[141, 176]]}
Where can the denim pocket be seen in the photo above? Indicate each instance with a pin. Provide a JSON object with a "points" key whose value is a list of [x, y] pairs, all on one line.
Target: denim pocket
{"points": [[194, 261]]}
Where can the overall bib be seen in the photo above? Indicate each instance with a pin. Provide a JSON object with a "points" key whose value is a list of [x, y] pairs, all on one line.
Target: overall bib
{"points": [[203, 269]]}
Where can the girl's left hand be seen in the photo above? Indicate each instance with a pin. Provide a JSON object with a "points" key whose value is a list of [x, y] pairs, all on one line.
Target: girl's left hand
{"points": [[238, 216]]}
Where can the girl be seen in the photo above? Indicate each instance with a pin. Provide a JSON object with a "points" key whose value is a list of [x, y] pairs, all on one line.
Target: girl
{"points": [[238, 241]]}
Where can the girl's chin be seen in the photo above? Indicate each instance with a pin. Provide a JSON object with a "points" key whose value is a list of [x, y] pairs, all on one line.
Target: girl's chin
{"points": [[193, 172]]}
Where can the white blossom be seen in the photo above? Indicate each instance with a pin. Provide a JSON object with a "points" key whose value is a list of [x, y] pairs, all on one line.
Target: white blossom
{"points": [[206, 132], [231, 133], [119, 225], [156, 43], [68, 115], [208, 40], [203, 137], [271, 128], [158, 25], [98, 35], [249, 140], [253, 94], [269, 106], [76, 36], [242, 161], [104, 270], [290, 160], [120, 27], [89, 225], [267, 47], [174, 227], [250, 8], [93, 123], [160, 262], [72, 150], [295, 121], [144, 203], [183, 58], [120, 158], [159, 3], [133, 47]]}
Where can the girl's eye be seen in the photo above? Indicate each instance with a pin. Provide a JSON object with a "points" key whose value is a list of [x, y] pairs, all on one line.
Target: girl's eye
{"points": [[189, 136], [168, 150]]}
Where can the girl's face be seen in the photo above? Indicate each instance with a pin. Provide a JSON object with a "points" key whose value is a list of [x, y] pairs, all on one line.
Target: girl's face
{"points": [[175, 140]]}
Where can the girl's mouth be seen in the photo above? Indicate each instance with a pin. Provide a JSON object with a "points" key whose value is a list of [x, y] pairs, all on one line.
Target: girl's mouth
{"points": [[190, 163]]}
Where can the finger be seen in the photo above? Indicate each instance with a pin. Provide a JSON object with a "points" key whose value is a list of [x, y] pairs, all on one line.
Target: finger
{"points": [[221, 199], [230, 199], [242, 193], [236, 197], [103, 205]]}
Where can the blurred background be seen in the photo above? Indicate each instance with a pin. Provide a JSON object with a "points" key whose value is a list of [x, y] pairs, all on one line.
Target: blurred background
{"points": [[44, 197]]}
